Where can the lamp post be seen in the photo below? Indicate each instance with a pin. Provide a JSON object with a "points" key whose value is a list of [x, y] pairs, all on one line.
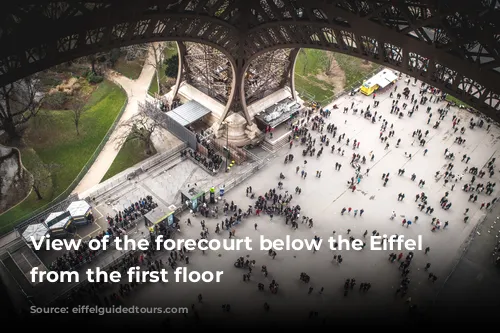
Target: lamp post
{"points": [[226, 123]]}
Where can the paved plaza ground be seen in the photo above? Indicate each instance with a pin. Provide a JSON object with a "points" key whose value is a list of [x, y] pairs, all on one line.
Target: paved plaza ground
{"points": [[475, 282], [322, 199]]}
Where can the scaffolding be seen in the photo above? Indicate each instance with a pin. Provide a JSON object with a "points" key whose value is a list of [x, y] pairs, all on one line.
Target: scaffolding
{"points": [[208, 70], [267, 73]]}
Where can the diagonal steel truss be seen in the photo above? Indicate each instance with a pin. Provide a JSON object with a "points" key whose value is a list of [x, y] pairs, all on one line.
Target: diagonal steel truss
{"points": [[451, 44], [208, 70], [267, 73]]}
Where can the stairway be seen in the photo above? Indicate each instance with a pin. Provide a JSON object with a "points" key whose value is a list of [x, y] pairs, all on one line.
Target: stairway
{"points": [[274, 146], [266, 146]]}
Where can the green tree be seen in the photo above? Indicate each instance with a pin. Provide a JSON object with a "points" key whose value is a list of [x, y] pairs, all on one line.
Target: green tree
{"points": [[172, 66]]}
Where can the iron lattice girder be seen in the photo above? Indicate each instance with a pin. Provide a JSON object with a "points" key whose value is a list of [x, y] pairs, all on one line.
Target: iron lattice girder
{"points": [[209, 70], [451, 44], [267, 73]]}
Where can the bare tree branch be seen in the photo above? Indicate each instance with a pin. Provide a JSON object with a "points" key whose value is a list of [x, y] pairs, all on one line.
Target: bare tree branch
{"points": [[77, 110], [19, 102], [42, 175], [133, 52], [142, 126], [157, 50]]}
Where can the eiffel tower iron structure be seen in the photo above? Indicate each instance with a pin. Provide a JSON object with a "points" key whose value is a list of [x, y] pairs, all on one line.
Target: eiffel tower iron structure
{"points": [[250, 46]]}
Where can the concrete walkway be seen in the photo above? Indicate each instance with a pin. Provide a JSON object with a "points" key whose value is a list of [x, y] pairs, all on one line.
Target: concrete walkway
{"points": [[137, 91]]}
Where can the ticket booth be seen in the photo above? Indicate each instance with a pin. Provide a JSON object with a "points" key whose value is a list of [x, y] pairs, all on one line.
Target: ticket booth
{"points": [[161, 218], [35, 232], [193, 197], [59, 223], [80, 211]]}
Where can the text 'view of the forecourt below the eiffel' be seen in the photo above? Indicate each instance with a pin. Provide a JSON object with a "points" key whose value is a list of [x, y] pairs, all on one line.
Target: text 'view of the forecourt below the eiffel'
{"points": [[256, 163]]}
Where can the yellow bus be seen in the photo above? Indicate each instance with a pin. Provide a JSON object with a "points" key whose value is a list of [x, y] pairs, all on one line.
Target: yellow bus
{"points": [[378, 81]]}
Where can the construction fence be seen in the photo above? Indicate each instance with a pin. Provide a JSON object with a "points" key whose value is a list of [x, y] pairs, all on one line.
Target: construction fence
{"points": [[236, 154]]}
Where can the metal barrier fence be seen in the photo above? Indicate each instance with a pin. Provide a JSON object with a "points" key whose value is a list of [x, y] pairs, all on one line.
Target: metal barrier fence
{"points": [[151, 162], [108, 185], [235, 154], [247, 172], [160, 158], [251, 156], [5, 229], [204, 152]]}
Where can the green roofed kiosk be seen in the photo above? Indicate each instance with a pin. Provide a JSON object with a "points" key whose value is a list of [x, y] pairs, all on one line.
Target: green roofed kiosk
{"points": [[161, 217], [193, 197]]}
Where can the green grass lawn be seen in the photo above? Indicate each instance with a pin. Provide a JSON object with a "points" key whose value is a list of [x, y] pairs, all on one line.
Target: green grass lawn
{"points": [[153, 86], [169, 51], [51, 138], [309, 63], [131, 153], [309, 89], [355, 69], [130, 69], [450, 98]]}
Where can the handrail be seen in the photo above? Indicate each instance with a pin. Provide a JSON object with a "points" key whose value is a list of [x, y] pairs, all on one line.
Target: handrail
{"points": [[122, 177]]}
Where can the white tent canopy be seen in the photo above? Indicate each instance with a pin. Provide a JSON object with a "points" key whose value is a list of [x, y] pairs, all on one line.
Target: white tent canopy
{"points": [[37, 231], [57, 220], [78, 208], [382, 79]]}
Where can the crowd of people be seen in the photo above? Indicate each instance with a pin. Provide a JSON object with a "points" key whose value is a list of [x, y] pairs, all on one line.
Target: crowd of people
{"points": [[100, 293], [311, 135], [166, 106], [72, 260], [277, 201], [117, 226], [211, 162], [127, 217]]}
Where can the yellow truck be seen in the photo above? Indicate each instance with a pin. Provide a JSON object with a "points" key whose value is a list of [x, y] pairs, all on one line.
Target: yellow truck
{"points": [[380, 80]]}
